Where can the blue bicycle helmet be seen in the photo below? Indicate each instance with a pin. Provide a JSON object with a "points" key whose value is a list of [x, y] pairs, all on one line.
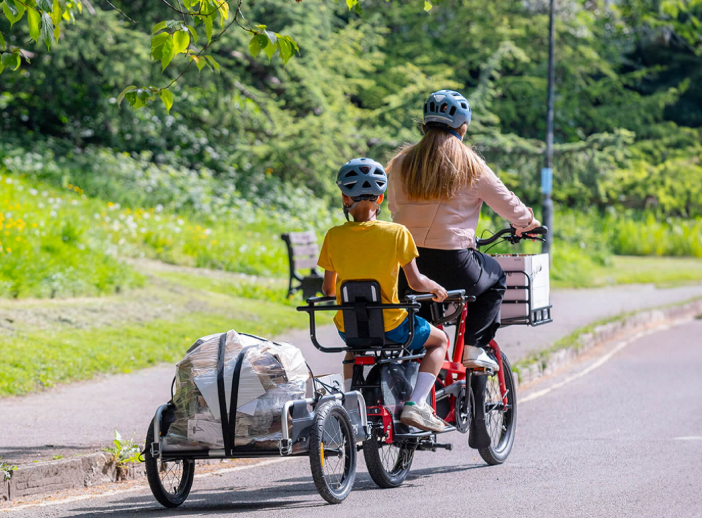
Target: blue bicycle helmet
{"points": [[448, 107], [362, 177]]}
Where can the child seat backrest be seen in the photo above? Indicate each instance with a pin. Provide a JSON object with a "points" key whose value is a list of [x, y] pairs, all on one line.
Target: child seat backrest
{"points": [[363, 327]]}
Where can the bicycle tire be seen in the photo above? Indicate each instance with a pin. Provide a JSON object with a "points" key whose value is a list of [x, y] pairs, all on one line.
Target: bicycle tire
{"points": [[154, 470], [331, 426], [378, 464], [502, 433]]}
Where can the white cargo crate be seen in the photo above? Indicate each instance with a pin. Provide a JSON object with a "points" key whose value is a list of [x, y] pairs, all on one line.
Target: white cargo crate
{"points": [[527, 300]]}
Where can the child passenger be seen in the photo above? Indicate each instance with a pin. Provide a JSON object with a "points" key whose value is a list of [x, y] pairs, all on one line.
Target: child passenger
{"points": [[368, 249]]}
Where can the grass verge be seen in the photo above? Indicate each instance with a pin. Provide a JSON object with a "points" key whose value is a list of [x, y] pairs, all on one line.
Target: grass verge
{"points": [[69, 350], [573, 339]]}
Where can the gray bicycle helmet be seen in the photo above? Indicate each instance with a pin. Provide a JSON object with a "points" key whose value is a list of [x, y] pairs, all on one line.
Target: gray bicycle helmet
{"points": [[362, 177], [448, 107]]}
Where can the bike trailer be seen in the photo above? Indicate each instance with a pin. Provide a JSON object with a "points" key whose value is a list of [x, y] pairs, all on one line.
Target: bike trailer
{"points": [[241, 396]]}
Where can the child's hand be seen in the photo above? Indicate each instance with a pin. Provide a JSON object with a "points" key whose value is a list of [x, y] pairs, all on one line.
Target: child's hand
{"points": [[439, 294]]}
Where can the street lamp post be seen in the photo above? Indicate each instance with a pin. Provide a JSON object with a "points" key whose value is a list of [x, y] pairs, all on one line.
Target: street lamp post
{"points": [[547, 171]]}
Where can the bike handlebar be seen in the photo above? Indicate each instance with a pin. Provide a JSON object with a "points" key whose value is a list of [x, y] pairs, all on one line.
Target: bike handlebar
{"points": [[452, 294], [513, 237]]}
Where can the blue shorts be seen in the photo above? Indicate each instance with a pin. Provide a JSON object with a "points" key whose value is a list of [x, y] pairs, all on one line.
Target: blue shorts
{"points": [[422, 329]]}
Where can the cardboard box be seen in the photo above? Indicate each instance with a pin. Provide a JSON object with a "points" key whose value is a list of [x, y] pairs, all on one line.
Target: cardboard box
{"points": [[525, 270]]}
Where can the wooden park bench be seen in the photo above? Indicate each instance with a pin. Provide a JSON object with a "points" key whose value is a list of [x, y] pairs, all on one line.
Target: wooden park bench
{"points": [[303, 253]]}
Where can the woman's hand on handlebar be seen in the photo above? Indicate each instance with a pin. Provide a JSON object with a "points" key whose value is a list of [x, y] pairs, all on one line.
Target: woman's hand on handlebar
{"points": [[525, 230]]}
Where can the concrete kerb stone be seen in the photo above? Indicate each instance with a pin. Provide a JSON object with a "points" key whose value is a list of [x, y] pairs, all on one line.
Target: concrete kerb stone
{"points": [[601, 334]]}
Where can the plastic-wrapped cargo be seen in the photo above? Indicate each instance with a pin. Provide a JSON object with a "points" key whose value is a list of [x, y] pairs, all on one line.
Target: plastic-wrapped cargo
{"points": [[266, 374]]}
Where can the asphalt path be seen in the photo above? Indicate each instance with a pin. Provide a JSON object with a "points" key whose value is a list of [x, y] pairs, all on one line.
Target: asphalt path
{"points": [[618, 433], [81, 417]]}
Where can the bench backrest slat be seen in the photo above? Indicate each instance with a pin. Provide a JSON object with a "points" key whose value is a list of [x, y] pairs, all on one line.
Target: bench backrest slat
{"points": [[303, 238], [301, 251], [305, 263]]}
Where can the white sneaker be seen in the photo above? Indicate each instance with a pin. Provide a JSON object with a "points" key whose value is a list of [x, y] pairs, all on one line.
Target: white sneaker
{"points": [[478, 358], [422, 417]]}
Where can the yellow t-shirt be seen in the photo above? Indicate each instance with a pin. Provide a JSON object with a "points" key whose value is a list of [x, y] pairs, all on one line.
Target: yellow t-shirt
{"points": [[369, 250]]}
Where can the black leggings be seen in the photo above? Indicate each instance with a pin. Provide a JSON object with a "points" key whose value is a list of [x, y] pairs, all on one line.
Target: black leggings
{"points": [[479, 274]]}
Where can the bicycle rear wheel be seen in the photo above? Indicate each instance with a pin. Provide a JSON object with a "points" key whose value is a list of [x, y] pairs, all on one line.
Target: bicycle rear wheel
{"points": [[500, 420], [388, 464]]}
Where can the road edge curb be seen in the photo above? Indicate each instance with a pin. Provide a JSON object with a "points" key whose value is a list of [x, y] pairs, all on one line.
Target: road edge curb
{"points": [[564, 351]]}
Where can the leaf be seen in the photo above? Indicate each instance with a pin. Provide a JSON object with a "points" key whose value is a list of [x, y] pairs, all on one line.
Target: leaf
{"points": [[286, 50], [157, 44], [45, 5], [199, 62], [47, 30], [167, 98], [351, 3], [271, 36], [257, 44], [427, 6], [11, 60], [167, 52], [124, 92], [223, 12], [158, 27], [56, 15], [2, 67], [2, 41], [56, 12], [181, 40], [193, 33], [208, 28], [359, 9], [212, 62], [270, 50], [34, 22], [13, 11]]}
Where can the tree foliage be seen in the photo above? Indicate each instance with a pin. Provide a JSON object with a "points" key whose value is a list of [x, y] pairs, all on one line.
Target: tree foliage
{"points": [[628, 89]]}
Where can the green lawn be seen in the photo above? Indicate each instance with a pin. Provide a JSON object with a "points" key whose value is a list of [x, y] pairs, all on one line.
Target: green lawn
{"points": [[49, 342], [662, 271]]}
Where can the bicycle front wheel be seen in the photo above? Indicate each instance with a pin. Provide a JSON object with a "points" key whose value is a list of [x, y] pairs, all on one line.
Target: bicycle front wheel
{"points": [[500, 419]]}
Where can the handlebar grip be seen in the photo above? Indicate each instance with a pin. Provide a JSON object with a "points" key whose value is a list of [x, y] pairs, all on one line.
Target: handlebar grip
{"points": [[315, 300], [537, 231], [430, 296], [423, 296]]}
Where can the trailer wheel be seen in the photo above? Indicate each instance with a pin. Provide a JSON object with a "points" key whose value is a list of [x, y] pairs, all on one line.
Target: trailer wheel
{"points": [[333, 452], [170, 481]]}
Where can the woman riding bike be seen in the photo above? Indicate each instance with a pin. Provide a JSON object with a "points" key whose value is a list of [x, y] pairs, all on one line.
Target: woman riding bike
{"points": [[436, 189]]}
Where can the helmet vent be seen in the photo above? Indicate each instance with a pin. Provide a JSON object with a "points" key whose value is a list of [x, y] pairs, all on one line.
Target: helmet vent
{"points": [[456, 94], [366, 185], [464, 106], [425, 107], [351, 173], [452, 111], [380, 184], [432, 107], [364, 169], [443, 108]]}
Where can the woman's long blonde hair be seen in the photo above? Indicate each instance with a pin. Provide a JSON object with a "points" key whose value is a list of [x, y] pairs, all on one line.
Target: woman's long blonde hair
{"points": [[438, 166]]}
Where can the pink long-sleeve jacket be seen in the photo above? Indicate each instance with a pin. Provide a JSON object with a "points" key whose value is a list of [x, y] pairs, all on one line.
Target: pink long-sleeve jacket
{"points": [[450, 224]]}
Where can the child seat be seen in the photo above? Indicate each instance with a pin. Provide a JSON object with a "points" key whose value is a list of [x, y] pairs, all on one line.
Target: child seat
{"points": [[364, 327]]}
